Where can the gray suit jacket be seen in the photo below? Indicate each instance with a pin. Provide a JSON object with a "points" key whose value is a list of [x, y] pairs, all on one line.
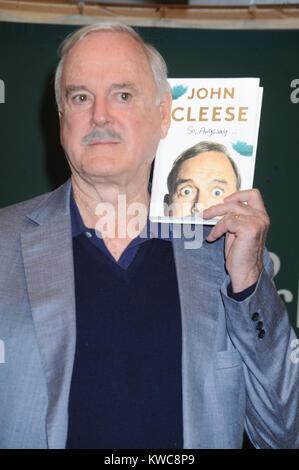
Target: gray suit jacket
{"points": [[231, 379]]}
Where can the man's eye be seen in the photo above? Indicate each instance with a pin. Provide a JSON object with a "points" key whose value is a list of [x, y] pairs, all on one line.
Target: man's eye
{"points": [[80, 98], [187, 191], [124, 96], [217, 192]]}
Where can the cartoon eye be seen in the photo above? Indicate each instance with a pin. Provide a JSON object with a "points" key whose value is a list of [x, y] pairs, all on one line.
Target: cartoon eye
{"points": [[217, 192], [186, 191]]}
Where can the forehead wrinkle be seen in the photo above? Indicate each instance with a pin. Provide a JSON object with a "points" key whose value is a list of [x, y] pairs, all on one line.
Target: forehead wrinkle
{"points": [[89, 51], [206, 169], [120, 86], [94, 83], [130, 52], [218, 180]]}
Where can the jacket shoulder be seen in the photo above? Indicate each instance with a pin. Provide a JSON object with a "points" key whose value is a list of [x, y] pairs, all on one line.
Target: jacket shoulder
{"points": [[14, 216], [36, 210]]}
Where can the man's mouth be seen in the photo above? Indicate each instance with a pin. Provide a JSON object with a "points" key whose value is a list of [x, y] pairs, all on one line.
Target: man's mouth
{"points": [[103, 142]]}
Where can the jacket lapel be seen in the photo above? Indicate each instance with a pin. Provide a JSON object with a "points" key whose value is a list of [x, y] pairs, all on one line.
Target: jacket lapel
{"points": [[199, 281], [48, 263]]}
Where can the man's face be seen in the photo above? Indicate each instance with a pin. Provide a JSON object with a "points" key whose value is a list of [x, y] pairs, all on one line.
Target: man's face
{"points": [[110, 122], [205, 180]]}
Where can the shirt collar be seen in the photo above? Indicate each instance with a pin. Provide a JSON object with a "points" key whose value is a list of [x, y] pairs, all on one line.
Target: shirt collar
{"points": [[78, 226], [151, 229]]}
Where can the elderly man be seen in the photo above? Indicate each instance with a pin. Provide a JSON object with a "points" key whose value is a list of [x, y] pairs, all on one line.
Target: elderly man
{"points": [[121, 342]]}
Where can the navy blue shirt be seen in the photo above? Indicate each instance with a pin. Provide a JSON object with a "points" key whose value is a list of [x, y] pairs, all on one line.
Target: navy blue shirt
{"points": [[126, 389], [78, 227], [162, 231]]}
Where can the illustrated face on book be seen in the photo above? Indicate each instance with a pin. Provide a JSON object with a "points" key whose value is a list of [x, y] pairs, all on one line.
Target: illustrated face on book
{"points": [[202, 181]]}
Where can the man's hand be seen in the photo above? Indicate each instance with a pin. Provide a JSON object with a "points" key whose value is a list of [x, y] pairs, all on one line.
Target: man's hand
{"points": [[245, 224]]}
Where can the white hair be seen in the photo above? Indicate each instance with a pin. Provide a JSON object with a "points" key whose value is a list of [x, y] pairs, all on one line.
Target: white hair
{"points": [[156, 61]]}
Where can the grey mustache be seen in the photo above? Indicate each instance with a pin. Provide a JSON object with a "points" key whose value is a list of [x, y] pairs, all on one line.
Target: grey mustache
{"points": [[97, 134]]}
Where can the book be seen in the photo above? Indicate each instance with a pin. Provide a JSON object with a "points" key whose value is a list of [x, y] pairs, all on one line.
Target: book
{"points": [[210, 149]]}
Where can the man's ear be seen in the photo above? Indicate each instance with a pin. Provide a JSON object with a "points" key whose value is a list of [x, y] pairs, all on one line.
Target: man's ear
{"points": [[60, 115], [165, 110]]}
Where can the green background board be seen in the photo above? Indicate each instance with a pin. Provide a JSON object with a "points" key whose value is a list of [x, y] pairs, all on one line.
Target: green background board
{"points": [[32, 161]]}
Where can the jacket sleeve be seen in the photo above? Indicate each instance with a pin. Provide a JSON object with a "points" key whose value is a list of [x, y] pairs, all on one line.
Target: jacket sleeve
{"points": [[259, 328]]}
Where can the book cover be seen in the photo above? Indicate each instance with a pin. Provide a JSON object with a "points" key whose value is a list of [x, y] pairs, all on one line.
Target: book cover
{"points": [[209, 152]]}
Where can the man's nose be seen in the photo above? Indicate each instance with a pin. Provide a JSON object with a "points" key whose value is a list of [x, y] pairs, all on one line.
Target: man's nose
{"points": [[101, 113], [194, 208], [205, 200]]}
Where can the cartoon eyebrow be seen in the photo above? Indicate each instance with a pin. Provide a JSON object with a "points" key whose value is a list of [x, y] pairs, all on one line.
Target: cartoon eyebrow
{"points": [[216, 180], [182, 181]]}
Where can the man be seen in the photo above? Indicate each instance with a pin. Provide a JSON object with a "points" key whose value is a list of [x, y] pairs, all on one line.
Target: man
{"points": [[135, 343], [202, 176]]}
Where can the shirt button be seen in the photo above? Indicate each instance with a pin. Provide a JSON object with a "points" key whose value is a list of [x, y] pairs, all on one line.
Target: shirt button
{"points": [[261, 334], [88, 234], [255, 316], [259, 325]]}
